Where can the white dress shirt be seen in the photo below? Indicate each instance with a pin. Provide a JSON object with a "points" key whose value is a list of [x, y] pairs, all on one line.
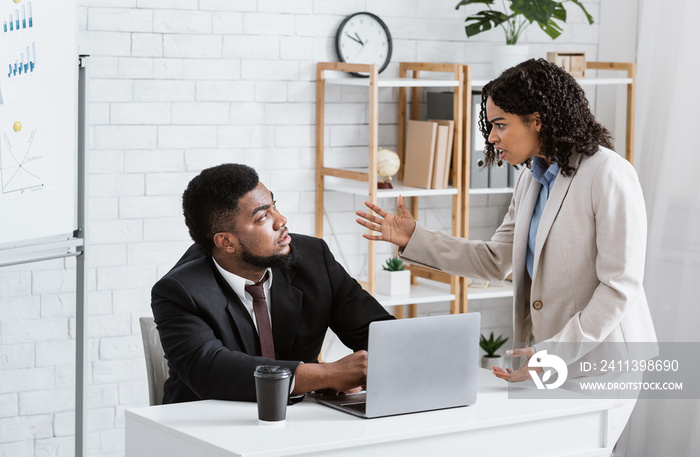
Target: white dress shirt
{"points": [[238, 284]]}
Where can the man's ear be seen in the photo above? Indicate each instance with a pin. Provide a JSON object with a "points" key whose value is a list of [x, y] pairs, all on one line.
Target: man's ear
{"points": [[225, 241]]}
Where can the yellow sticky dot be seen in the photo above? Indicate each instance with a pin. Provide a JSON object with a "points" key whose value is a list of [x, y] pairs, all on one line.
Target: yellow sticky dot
{"points": [[17, 1], [17, 126]]}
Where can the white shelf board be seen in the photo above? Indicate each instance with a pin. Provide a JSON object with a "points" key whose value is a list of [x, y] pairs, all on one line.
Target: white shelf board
{"points": [[581, 81], [603, 81], [427, 291], [394, 82], [491, 190], [349, 186], [495, 290], [423, 292]]}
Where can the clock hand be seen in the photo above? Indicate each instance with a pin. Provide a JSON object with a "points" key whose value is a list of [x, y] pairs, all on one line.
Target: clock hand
{"points": [[359, 40], [353, 38]]}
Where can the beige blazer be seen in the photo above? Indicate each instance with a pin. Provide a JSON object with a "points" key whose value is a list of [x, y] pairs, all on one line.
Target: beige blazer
{"points": [[589, 258]]}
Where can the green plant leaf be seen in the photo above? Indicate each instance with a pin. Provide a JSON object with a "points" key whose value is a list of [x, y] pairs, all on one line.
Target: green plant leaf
{"points": [[583, 8], [484, 20], [559, 13], [473, 2], [552, 29], [534, 10]]}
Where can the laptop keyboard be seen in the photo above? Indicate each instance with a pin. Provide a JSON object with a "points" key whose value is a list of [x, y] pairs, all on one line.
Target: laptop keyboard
{"points": [[359, 407]]}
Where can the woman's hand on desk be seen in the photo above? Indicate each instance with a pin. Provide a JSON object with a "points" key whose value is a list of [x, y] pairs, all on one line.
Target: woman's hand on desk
{"points": [[522, 373], [391, 228]]}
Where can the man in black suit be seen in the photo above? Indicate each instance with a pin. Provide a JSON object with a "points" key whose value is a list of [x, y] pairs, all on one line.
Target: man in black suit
{"points": [[206, 319]]}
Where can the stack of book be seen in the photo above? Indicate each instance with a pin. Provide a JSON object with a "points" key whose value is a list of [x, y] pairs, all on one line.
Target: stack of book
{"points": [[428, 154]]}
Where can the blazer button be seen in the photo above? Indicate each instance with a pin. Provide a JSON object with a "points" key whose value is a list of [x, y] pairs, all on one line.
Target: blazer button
{"points": [[537, 305]]}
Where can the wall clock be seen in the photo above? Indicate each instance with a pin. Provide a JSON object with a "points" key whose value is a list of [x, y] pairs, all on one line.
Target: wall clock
{"points": [[364, 38]]}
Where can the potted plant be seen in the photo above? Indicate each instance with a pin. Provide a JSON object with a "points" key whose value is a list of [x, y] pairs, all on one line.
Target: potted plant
{"points": [[516, 17], [490, 346], [393, 278]]}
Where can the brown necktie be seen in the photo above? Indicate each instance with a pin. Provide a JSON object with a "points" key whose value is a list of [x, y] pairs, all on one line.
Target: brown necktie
{"points": [[262, 318]]}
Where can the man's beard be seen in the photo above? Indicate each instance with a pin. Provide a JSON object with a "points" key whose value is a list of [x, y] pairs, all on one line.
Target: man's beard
{"points": [[274, 261]]}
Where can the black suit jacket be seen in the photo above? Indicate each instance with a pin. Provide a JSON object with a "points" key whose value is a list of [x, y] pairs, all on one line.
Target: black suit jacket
{"points": [[209, 338]]}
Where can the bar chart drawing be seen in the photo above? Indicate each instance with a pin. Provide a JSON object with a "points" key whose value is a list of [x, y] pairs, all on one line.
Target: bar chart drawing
{"points": [[20, 40], [24, 63], [20, 163], [19, 19], [19, 72]]}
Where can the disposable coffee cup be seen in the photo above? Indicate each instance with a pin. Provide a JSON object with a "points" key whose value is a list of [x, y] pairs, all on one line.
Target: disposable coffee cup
{"points": [[272, 391]]}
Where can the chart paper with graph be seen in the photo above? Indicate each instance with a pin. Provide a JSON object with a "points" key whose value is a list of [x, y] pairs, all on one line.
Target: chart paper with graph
{"points": [[24, 166], [38, 68]]}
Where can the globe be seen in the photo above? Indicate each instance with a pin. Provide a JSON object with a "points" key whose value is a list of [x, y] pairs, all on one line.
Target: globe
{"points": [[388, 164]]}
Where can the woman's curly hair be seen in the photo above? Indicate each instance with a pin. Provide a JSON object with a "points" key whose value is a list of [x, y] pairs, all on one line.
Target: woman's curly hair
{"points": [[538, 86], [211, 201]]}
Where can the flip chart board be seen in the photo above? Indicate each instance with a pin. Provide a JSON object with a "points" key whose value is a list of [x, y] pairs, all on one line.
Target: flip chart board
{"points": [[38, 121]]}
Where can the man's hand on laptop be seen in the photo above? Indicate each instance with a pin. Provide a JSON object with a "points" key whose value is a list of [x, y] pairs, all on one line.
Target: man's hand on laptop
{"points": [[344, 375], [333, 393]]}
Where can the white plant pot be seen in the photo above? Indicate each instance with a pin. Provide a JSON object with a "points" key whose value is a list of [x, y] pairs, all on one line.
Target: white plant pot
{"points": [[393, 282], [504, 56], [488, 362]]}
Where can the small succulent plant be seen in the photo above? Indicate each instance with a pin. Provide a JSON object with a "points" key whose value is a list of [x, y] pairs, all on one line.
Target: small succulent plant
{"points": [[490, 345], [394, 264]]}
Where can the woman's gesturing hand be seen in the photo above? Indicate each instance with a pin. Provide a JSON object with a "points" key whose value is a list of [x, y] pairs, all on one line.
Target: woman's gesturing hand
{"points": [[522, 373], [391, 228]]}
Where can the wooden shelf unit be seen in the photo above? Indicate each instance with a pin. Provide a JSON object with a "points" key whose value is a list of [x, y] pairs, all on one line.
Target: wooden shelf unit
{"points": [[365, 183]]}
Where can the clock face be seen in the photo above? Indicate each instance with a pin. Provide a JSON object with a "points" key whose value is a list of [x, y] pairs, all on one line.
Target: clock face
{"points": [[364, 38]]}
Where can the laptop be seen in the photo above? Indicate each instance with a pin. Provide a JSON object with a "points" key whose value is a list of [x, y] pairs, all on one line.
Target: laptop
{"points": [[414, 365]]}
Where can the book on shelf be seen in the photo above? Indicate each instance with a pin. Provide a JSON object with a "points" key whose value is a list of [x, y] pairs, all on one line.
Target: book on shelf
{"points": [[439, 171], [443, 153], [421, 137]]}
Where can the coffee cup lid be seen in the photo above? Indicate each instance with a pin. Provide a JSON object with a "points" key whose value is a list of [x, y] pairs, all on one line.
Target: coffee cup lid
{"points": [[272, 371]]}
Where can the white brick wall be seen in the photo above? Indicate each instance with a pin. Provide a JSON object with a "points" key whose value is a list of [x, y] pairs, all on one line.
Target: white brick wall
{"points": [[177, 86]]}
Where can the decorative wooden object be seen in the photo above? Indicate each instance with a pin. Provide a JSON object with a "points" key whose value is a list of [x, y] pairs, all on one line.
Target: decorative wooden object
{"points": [[572, 62]]}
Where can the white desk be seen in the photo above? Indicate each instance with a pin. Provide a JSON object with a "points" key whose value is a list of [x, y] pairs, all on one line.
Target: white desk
{"points": [[495, 425]]}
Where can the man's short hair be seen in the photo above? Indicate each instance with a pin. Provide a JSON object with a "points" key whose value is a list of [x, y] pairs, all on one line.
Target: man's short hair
{"points": [[211, 201]]}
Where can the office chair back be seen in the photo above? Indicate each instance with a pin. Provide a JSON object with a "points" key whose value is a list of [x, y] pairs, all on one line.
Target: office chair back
{"points": [[156, 364]]}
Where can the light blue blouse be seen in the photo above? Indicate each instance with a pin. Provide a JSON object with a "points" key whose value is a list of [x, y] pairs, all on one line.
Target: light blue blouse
{"points": [[545, 176]]}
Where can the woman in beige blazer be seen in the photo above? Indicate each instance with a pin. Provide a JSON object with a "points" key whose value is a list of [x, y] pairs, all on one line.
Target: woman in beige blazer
{"points": [[583, 223]]}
